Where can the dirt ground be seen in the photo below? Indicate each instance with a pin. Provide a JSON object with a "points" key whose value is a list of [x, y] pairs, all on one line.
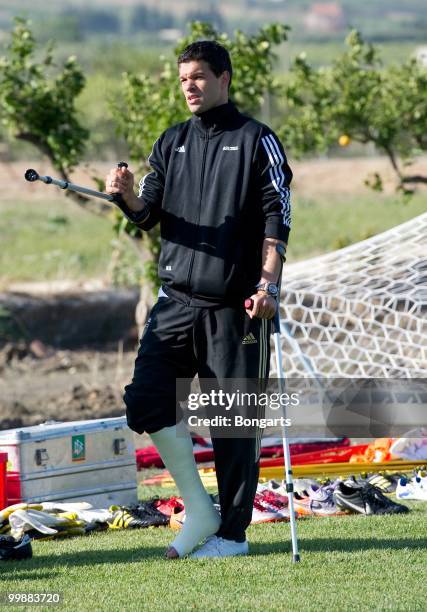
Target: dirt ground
{"points": [[39, 384], [310, 177]]}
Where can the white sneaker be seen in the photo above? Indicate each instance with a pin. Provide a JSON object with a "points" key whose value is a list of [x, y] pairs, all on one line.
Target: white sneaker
{"points": [[219, 547], [411, 489], [300, 485]]}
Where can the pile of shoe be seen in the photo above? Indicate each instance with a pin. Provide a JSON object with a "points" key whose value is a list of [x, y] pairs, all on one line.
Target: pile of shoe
{"points": [[311, 498], [364, 495], [51, 520], [412, 489]]}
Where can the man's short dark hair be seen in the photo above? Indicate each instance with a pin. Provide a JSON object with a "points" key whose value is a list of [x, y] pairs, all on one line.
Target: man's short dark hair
{"points": [[211, 52]]}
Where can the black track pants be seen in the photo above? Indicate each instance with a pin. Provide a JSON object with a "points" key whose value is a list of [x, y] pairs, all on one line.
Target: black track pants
{"points": [[180, 341]]}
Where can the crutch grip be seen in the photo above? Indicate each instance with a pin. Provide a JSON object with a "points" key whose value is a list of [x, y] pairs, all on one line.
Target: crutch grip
{"points": [[31, 175], [118, 198]]}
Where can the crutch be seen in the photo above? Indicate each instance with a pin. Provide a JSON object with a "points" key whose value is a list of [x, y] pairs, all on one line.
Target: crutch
{"points": [[280, 373], [32, 175]]}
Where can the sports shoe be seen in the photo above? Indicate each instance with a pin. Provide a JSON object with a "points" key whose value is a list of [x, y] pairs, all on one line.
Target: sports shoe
{"points": [[148, 508], [364, 499], [388, 506], [263, 512], [219, 547], [301, 485], [5, 527], [12, 549], [277, 487], [168, 506], [270, 503], [262, 515], [143, 515], [411, 489], [302, 503], [394, 479], [383, 482], [177, 519], [272, 498], [322, 502], [421, 477]]}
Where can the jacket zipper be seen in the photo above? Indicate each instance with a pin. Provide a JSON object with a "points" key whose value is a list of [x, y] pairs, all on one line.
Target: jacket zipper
{"points": [[202, 179]]}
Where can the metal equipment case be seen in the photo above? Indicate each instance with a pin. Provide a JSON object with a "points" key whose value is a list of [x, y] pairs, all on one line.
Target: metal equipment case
{"points": [[91, 461]]}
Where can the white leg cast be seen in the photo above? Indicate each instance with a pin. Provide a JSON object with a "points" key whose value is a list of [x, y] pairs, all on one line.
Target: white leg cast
{"points": [[201, 519]]}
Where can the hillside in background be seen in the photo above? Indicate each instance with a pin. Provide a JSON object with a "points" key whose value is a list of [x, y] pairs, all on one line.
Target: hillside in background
{"points": [[379, 20]]}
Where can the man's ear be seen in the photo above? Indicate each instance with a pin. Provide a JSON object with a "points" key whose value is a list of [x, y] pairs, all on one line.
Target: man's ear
{"points": [[225, 79]]}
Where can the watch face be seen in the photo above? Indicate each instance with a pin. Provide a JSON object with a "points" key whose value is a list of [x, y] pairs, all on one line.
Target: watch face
{"points": [[272, 289]]}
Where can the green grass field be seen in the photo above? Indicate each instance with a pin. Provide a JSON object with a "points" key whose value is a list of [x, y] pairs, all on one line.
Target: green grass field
{"points": [[348, 563], [56, 240], [52, 240]]}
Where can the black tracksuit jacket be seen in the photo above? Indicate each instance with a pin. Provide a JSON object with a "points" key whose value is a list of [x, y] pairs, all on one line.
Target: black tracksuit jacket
{"points": [[219, 185]]}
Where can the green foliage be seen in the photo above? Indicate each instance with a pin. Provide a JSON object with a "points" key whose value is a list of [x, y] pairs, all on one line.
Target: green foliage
{"points": [[360, 98], [38, 106], [124, 269]]}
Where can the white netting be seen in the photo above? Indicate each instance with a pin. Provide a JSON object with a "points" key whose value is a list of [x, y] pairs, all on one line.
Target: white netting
{"points": [[360, 311]]}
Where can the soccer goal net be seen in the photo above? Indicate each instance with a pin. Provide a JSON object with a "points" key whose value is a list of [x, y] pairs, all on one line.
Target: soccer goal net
{"points": [[359, 311]]}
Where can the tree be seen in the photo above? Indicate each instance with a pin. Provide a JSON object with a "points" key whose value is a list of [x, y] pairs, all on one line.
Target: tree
{"points": [[358, 98], [37, 103]]}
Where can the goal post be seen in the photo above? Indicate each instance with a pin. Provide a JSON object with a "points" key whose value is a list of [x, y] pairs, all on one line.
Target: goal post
{"points": [[360, 311]]}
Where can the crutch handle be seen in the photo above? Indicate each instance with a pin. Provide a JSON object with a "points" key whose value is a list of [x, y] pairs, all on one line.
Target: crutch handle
{"points": [[31, 175], [118, 198]]}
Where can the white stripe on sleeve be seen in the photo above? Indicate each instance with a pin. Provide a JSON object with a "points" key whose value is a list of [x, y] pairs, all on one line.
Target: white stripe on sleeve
{"points": [[277, 175]]}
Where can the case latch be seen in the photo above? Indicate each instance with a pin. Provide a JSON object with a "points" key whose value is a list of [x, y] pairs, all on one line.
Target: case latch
{"points": [[119, 445], [41, 456]]}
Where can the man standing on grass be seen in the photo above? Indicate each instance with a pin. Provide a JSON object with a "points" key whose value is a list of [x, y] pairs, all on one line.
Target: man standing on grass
{"points": [[219, 187]]}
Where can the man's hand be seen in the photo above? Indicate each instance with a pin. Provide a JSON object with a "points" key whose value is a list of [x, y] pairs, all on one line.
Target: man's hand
{"points": [[263, 306], [121, 180]]}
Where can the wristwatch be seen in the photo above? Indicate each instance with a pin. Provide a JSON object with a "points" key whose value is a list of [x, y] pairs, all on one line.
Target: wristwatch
{"points": [[269, 288]]}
